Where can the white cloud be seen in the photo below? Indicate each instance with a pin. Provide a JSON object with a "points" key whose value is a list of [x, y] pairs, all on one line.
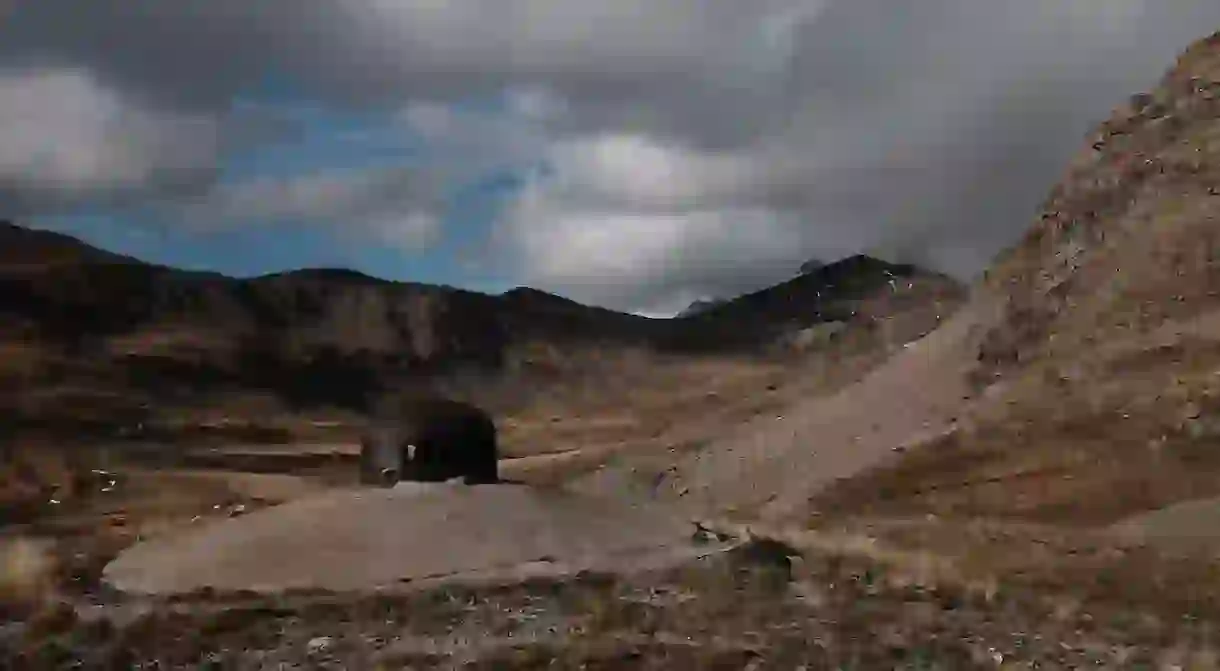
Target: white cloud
{"points": [[617, 221], [640, 172], [414, 230], [466, 142], [618, 259], [65, 137], [535, 103], [397, 206]]}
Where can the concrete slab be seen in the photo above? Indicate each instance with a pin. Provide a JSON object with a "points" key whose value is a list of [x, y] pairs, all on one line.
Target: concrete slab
{"points": [[364, 539]]}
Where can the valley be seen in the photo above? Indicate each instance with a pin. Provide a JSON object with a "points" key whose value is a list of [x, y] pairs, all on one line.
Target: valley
{"points": [[868, 466]]}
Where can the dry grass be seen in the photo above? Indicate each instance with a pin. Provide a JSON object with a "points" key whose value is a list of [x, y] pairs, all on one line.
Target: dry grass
{"points": [[19, 362], [1122, 429], [642, 419], [638, 402], [28, 573], [1081, 569], [35, 478], [766, 605]]}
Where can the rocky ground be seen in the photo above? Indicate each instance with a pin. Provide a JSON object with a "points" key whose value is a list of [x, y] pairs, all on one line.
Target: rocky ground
{"points": [[762, 605]]}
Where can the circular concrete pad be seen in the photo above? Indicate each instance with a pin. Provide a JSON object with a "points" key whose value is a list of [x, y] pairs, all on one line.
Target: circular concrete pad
{"points": [[1192, 525], [375, 538]]}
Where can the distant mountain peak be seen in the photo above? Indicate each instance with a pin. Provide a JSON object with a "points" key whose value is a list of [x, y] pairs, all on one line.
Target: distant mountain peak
{"points": [[532, 294], [329, 274], [701, 305], [20, 245], [810, 266]]}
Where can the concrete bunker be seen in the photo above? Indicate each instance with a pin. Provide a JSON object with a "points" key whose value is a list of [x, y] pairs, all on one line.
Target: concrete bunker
{"points": [[430, 440]]}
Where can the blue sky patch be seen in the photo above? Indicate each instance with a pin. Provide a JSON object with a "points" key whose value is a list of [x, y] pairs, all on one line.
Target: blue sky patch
{"points": [[329, 140]]}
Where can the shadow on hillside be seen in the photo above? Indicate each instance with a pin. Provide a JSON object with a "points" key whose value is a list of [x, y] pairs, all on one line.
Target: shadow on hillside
{"points": [[328, 378]]}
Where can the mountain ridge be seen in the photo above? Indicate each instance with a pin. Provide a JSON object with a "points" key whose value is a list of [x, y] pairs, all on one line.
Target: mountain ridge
{"points": [[339, 337]]}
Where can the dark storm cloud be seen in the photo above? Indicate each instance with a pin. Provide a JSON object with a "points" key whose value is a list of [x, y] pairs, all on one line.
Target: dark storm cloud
{"points": [[928, 134], [696, 147]]}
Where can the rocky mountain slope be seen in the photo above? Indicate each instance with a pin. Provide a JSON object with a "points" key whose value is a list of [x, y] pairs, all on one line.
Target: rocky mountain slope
{"points": [[705, 304], [1078, 384], [72, 316], [1100, 395], [837, 292], [700, 305]]}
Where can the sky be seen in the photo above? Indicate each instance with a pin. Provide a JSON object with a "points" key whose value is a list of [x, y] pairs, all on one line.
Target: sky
{"points": [[631, 154]]}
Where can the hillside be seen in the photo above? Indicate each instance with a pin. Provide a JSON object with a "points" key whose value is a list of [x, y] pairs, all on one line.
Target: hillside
{"points": [[705, 304], [26, 248], [91, 329], [1099, 396], [856, 288], [1077, 385]]}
